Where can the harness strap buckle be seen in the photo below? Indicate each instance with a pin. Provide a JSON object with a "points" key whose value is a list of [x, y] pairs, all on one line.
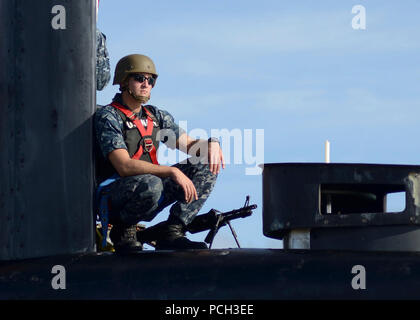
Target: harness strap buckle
{"points": [[148, 144]]}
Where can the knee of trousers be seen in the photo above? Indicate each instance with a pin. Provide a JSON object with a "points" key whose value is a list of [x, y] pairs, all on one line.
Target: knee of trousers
{"points": [[204, 180], [150, 189], [150, 183], [145, 200], [202, 169]]}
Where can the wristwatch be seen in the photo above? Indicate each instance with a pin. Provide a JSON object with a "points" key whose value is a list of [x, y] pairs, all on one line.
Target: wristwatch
{"points": [[212, 139]]}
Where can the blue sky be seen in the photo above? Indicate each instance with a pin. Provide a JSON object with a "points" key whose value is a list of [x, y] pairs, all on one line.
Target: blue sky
{"points": [[296, 69]]}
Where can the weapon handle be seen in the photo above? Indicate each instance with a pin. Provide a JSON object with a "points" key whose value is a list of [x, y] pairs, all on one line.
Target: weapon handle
{"points": [[212, 233], [210, 236]]}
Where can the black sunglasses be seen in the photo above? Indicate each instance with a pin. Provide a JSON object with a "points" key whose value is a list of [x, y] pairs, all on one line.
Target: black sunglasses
{"points": [[140, 78]]}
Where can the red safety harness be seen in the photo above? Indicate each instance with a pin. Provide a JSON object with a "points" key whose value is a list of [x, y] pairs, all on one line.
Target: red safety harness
{"points": [[146, 134]]}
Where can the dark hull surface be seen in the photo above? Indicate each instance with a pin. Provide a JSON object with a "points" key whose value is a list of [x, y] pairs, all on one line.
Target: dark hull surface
{"points": [[216, 274]]}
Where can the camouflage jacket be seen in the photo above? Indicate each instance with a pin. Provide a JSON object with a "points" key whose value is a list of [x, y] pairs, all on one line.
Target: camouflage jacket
{"points": [[103, 73], [109, 126]]}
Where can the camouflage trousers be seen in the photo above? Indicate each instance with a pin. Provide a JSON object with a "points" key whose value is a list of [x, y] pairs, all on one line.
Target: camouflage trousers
{"points": [[142, 197]]}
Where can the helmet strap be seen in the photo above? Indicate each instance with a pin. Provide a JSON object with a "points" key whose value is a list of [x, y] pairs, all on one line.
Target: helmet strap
{"points": [[141, 99]]}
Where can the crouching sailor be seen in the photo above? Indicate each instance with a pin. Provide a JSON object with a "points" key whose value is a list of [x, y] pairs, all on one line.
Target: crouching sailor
{"points": [[136, 187]]}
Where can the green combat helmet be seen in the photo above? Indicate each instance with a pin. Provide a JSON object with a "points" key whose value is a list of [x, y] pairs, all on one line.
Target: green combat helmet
{"points": [[133, 63]]}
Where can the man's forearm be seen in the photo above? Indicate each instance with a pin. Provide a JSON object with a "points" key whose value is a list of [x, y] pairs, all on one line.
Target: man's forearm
{"points": [[135, 167], [197, 148], [126, 166], [193, 147]]}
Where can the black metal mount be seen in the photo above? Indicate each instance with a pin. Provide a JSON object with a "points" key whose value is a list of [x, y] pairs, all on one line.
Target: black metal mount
{"points": [[343, 205]]}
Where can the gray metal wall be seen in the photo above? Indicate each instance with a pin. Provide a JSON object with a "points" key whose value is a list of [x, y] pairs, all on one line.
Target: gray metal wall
{"points": [[47, 98]]}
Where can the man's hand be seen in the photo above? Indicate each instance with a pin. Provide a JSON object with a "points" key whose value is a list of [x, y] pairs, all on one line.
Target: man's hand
{"points": [[186, 184], [215, 158], [199, 148], [126, 166]]}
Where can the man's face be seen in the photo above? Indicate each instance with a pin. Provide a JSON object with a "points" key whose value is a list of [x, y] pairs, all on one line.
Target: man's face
{"points": [[138, 87]]}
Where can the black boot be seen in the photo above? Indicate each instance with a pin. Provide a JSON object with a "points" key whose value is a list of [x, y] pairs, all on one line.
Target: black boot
{"points": [[169, 235], [124, 238]]}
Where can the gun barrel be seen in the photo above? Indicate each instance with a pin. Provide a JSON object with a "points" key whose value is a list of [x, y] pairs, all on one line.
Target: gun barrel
{"points": [[208, 220], [237, 213]]}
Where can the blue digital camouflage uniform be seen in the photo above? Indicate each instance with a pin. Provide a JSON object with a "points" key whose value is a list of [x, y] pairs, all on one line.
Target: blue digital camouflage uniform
{"points": [[103, 71], [142, 197]]}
